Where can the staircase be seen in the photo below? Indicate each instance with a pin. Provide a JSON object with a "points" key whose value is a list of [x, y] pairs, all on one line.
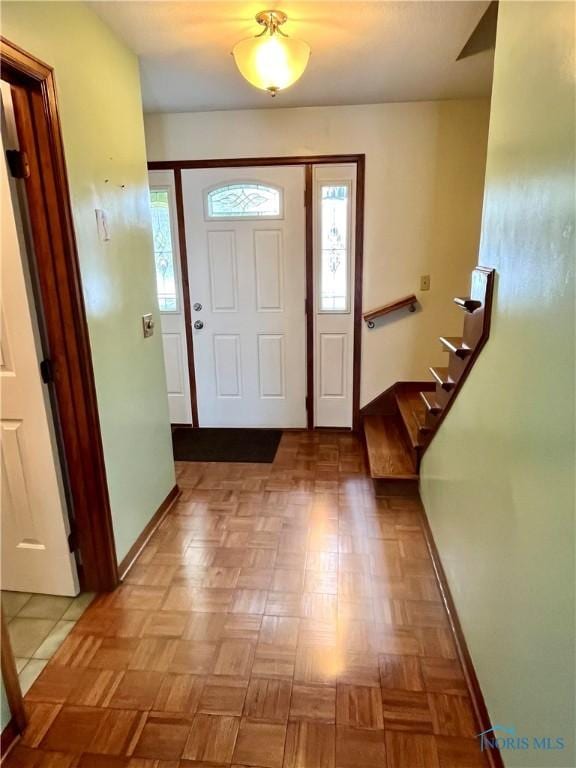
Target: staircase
{"points": [[400, 423]]}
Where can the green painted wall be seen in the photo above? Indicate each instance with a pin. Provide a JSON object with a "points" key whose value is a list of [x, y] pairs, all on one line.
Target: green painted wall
{"points": [[99, 97], [4, 708], [498, 480]]}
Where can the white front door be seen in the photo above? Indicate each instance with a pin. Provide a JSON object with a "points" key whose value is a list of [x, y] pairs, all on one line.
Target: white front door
{"points": [[35, 553], [170, 296], [245, 237]]}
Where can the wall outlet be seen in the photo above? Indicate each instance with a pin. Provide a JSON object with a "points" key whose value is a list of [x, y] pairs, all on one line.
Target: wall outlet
{"points": [[425, 283]]}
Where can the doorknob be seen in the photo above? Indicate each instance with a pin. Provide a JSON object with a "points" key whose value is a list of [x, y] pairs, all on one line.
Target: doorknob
{"points": [[197, 306], [198, 325]]}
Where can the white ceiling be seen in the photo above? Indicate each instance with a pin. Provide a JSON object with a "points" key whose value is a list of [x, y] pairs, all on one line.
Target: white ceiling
{"points": [[362, 52]]}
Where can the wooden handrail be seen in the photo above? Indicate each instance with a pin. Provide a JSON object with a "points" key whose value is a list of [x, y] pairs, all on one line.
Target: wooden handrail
{"points": [[392, 306]]}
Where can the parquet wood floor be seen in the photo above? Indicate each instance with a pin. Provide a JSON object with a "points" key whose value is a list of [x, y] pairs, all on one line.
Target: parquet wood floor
{"points": [[281, 617]]}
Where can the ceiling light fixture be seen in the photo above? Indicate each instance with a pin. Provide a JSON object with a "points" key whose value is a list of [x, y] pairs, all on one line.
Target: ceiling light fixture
{"points": [[271, 61]]}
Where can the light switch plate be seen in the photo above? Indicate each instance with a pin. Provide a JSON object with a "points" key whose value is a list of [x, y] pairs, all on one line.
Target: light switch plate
{"points": [[425, 283], [147, 325]]}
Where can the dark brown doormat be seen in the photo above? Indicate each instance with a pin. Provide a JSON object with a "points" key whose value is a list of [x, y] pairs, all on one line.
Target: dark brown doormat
{"points": [[247, 445]]}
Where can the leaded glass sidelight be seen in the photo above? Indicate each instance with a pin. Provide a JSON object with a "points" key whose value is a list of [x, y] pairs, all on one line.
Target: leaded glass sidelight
{"points": [[163, 251], [334, 247], [244, 200]]}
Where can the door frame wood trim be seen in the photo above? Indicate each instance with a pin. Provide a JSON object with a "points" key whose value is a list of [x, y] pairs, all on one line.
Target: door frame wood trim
{"points": [[358, 284], [308, 161], [55, 264], [309, 245], [181, 224]]}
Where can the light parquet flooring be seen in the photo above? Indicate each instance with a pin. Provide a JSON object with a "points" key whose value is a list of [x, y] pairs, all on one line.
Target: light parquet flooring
{"points": [[281, 617]]}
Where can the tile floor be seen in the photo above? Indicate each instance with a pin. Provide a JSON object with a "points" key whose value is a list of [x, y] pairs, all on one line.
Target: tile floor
{"points": [[38, 625], [282, 617]]}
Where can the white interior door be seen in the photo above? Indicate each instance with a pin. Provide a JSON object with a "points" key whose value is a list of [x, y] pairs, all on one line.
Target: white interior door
{"points": [[170, 297], [334, 257], [245, 237], [35, 554]]}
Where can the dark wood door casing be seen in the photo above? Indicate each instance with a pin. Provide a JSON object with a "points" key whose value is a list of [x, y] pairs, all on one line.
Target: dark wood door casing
{"points": [[54, 263]]}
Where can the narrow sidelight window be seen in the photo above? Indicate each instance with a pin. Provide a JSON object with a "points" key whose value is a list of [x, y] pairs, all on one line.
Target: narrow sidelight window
{"points": [[163, 250], [334, 232]]}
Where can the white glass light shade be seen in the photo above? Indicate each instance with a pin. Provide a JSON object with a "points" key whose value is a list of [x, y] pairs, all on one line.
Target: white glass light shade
{"points": [[271, 62]]}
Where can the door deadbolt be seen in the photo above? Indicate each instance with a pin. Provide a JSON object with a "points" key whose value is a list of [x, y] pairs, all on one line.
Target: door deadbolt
{"points": [[198, 325], [197, 306]]}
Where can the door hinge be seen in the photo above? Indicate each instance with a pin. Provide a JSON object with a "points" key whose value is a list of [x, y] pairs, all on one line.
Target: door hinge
{"points": [[47, 371], [73, 537], [18, 163]]}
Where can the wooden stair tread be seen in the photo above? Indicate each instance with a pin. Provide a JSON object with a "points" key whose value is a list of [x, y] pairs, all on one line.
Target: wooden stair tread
{"points": [[419, 419], [441, 376], [430, 402], [409, 402], [388, 456], [467, 304], [456, 345]]}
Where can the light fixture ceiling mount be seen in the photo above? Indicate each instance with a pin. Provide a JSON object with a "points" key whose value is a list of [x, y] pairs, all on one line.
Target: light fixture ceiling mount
{"points": [[272, 21], [271, 60]]}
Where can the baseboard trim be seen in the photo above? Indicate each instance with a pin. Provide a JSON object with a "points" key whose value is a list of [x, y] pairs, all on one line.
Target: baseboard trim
{"points": [[150, 528], [483, 722], [8, 738]]}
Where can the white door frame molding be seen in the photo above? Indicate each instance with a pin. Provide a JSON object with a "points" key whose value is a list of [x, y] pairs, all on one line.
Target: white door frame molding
{"points": [[309, 161]]}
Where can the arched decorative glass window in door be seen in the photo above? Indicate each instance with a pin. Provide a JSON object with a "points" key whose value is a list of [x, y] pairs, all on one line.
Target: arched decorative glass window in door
{"points": [[244, 200]]}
